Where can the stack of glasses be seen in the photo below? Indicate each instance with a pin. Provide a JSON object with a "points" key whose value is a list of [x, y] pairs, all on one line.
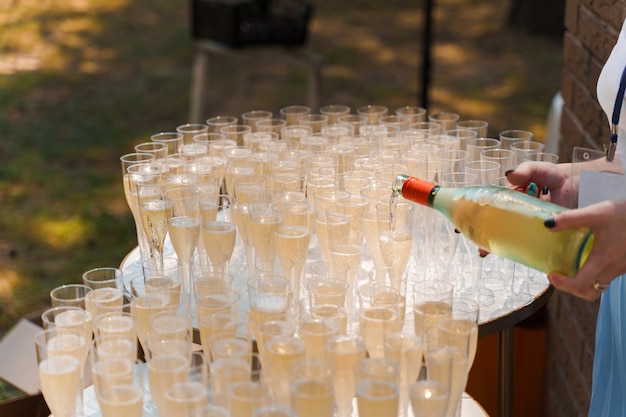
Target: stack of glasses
{"points": [[275, 240]]}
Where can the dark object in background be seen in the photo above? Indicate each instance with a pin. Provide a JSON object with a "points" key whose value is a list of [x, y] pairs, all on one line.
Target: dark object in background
{"points": [[539, 17], [241, 23]]}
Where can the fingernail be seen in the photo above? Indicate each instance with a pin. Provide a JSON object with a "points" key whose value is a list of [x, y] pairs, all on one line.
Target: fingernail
{"points": [[532, 188], [482, 254], [507, 172], [456, 230], [545, 190], [549, 223]]}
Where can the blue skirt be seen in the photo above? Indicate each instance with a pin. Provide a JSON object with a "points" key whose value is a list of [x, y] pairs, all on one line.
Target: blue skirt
{"points": [[608, 393]]}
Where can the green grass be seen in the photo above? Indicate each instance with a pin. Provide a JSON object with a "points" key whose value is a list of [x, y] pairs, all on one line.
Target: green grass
{"points": [[102, 86]]}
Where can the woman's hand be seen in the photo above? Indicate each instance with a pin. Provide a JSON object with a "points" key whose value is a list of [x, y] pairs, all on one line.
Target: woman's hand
{"points": [[553, 182], [607, 260]]}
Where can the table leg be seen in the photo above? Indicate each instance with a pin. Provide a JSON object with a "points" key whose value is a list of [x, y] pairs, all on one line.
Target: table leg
{"points": [[198, 86], [505, 372]]}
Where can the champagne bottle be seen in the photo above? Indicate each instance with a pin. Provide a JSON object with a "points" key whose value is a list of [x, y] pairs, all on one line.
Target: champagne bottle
{"points": [[504, 222]]}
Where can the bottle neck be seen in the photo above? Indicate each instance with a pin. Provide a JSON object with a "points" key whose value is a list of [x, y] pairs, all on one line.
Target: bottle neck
{"points": [[416, 190]]}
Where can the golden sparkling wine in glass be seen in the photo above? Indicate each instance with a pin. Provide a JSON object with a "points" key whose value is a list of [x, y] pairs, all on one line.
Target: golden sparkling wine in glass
{"points": [[60, 358]]}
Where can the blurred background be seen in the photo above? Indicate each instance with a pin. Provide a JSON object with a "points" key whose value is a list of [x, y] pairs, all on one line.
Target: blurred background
{"points": [[83, 81]]}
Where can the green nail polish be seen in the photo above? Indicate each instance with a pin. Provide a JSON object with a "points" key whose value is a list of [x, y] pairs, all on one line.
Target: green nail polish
{"points": [[532, 189]]}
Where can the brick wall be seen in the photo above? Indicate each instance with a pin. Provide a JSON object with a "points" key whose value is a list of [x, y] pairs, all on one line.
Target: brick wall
{"points": [[592, 26]]}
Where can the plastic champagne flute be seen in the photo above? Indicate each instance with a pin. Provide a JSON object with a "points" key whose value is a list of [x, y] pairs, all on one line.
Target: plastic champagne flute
{"points": [[60, 358], [184, 227], [154, 211]]}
